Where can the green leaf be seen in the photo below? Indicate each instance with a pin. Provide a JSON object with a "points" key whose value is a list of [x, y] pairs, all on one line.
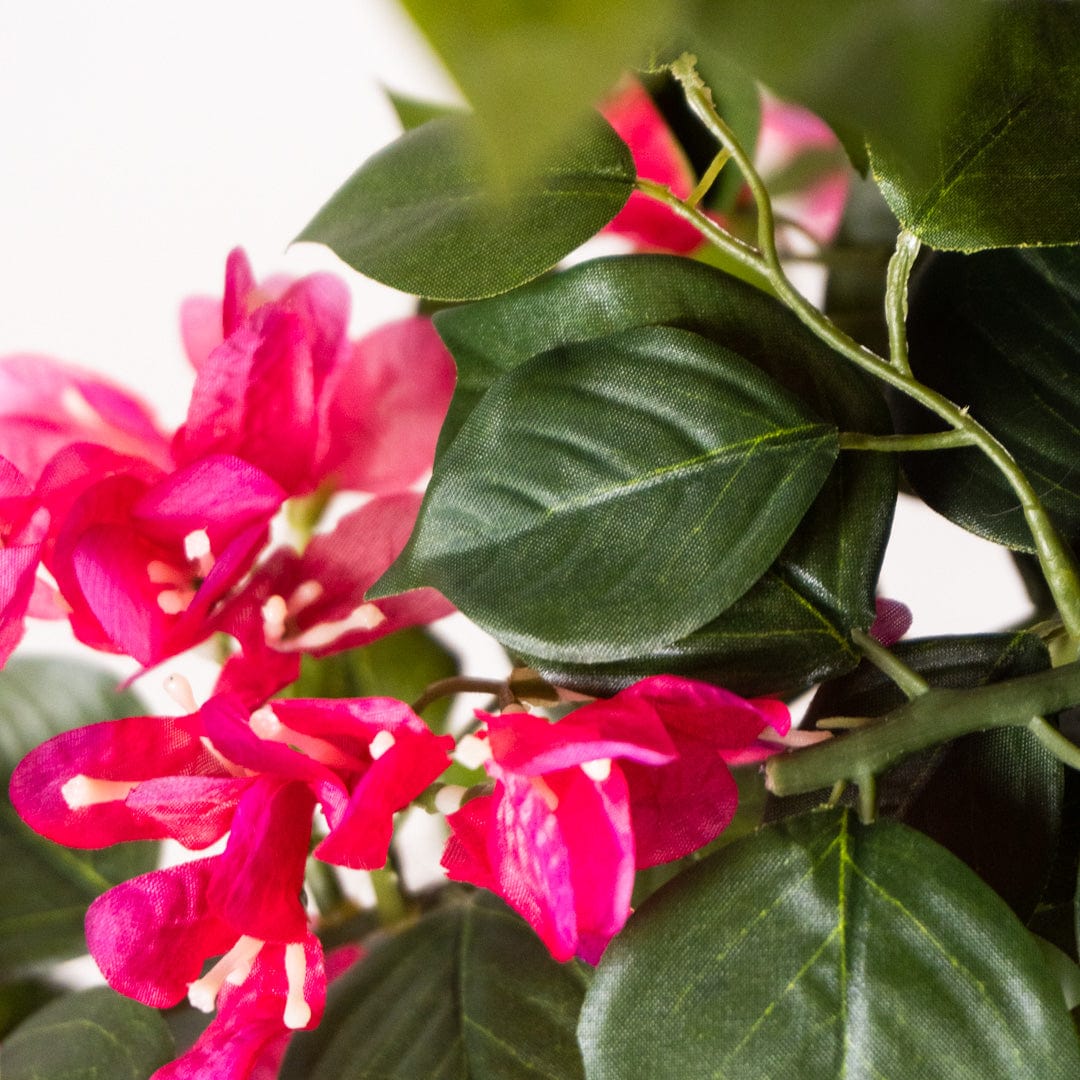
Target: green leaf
{"points": [[424, 216], [1005, 168], [18, 1000], [999, 332], [994, 799], [47, 888], [791, 628], [89, 1035], [877, 69], [532, 70], [400, 665], [607, 497], [468, 993], [822, 948]]}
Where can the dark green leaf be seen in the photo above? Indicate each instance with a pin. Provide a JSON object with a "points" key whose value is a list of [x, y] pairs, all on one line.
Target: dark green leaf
{"points": [[19, 999], [412, 112], [878, 69], [91, 1035], [531, 70], [607, 497], [791, 628], [1005, 168], [47, 887], [400, 665], [993, 799], [999, 332], [424, 216], [822, 948], [469, 993]]}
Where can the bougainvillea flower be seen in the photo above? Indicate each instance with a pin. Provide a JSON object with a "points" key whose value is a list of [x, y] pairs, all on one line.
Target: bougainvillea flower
{"points": [[23, 530], [283, 388], [617, 785], [791, 135], [46, 405], [314, 603], [892, 620], [658, 157], [255, 776], [142, 565]]}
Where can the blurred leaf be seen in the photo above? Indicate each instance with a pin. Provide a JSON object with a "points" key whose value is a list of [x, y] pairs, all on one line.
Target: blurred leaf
{"points": [[1005, 166], [999, 333], [882, 70], [47, 888], [791, 628], [994, 799], [424, 216], [413, 112], [468, 993], [18, 1000], [822, 948], [89, 1035], [580, 512], [532, 70], [400, 665], [1065, 970]]}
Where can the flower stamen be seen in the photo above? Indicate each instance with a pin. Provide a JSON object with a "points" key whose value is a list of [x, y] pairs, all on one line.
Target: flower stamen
{"points": [[234, 967], [297, 1010], [82, 791]]}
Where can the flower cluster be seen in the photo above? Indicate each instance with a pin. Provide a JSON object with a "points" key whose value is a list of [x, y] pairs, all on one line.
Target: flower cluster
{"points": [[149, 542]]}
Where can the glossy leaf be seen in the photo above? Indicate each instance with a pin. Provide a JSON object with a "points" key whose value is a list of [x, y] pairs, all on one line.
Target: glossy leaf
{"points": [[791, 628], [89, 1035], [468, 993], [400, 666], [1006, 166], [822, 948], [47, 887], [877, 69], [607, 497], [999, 332], [994, 799], [531, 70], [425, 216]]}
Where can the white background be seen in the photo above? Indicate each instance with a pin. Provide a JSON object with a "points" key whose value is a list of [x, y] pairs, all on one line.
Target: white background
{"points": [[140, 141]]}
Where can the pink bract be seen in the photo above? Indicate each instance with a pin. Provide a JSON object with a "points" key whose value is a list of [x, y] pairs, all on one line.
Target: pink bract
{"points": [[580, 804]]}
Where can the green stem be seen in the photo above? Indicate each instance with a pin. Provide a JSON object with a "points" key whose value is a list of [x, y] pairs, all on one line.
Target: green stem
{"points": [[1055, 558], [1064, 750], [911, 682], [929, 719], [897, 444], [459, 684], [896, 297], [711, 173], [389, 902]]}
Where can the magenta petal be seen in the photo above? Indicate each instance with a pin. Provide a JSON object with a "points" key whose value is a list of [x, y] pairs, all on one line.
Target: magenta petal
{"points": [[19, 559], [385, 406], [892, 620], [151, 935], [247, 1039], [529, 745], [239, 284], [361, 838], [256, 884], [658, 157], [195, 811], [466, 856], [200, 328], [135, 749]]}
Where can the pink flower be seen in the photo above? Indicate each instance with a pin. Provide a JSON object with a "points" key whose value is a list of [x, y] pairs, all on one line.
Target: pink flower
{"points": [[617, 785], [23, 529], [279, 384], [256, 777], [314, 602], [787, 136], [892, 620], [143, 559], [46, 405]]}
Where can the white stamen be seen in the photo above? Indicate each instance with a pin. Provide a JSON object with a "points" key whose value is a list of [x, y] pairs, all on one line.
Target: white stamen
{"points": [[382, 742], [598, 770], [304, 595], [297, 1010], [77, 407], [82, 791], [179, 689], [472, 752], [543, 789], [163, 573], [448, 799], [274, 613], [265, 724], [174, 601], [234, 966], [196, 545], [365, 617], [269, 726]]}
